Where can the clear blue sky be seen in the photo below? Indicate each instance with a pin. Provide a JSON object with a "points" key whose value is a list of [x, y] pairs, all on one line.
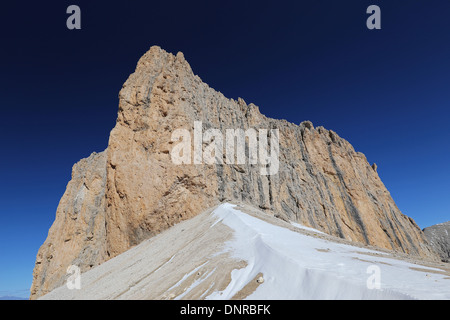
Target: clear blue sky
{"points": [[386, 91]]}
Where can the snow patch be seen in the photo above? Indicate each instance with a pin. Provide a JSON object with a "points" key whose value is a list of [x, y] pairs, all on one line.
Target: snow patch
{"points": [[186, 276], [300, 226]]}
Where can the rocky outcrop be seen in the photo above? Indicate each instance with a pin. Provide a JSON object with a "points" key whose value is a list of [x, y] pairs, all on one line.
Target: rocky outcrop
{"points": [[320, 181], [439, 238]]}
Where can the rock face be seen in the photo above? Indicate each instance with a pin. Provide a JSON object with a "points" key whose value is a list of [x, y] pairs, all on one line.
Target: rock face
{"points": [[134, 190], [77, 234], [439, 238]]}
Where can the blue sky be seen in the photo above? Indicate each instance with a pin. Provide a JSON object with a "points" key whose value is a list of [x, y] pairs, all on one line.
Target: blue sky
{"points": [[385, 91]]}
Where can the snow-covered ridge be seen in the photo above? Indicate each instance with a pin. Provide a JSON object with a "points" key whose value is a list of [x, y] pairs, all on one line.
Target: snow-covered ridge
{"points": [[226, 253], [297, 266]]}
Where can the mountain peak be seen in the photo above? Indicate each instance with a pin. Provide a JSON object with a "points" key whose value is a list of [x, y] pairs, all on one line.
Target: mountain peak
{"points": [[135, 189]]}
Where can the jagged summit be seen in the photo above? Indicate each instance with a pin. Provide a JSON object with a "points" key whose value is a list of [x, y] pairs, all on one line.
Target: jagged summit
{"points": [[134, 190]]}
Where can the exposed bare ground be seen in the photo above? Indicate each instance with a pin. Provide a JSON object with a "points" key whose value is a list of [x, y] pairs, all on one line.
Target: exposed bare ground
{"points": [[189, 261]]}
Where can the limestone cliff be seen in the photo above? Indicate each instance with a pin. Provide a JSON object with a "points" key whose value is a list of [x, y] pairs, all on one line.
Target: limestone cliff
{"points": [[134, 190], [78, 232]]}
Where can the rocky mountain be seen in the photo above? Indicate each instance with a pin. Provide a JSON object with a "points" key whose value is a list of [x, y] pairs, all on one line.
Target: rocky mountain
{"points": [[439, 238], [135, 189]]}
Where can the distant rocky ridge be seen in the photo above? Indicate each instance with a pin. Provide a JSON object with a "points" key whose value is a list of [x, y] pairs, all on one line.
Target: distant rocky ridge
{"points": [[439, 238], [133, 190]]}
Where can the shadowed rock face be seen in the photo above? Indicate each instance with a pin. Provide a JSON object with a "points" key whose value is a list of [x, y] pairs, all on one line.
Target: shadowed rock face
{"points": [[322, 182], [439, 239]]}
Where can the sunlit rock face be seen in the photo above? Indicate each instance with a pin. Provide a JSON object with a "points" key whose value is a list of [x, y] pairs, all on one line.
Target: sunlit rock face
{"points": [[134, 190]]}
